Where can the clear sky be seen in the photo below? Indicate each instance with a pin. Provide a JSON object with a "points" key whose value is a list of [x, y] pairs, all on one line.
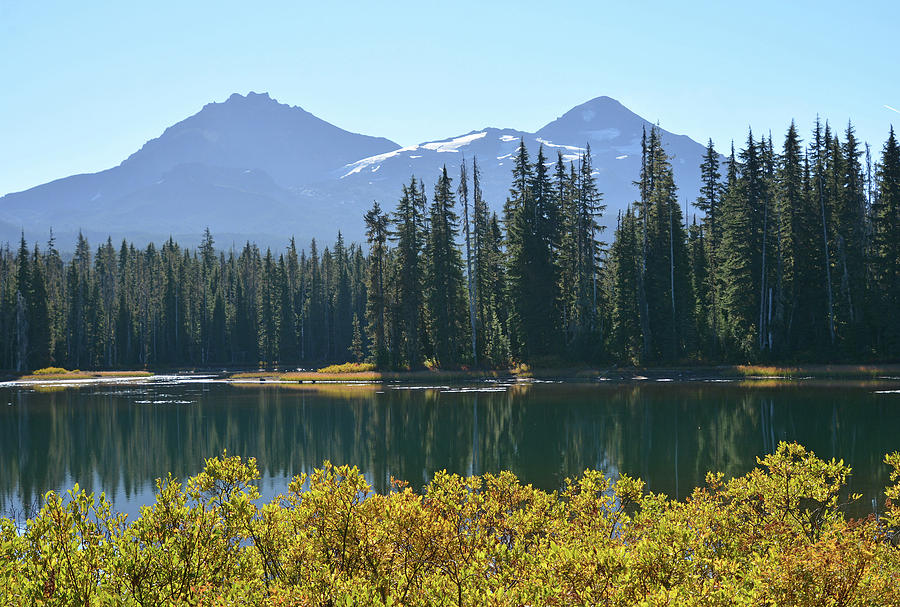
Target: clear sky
{"points": [[84, 84]]}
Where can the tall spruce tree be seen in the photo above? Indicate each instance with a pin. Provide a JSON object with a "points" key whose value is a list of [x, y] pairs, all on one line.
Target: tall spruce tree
{"points": [[532, 226], [736, 271], [463, 191], [625, 259], [408, 233], [886, 247], [376, 236], [444, 288]]}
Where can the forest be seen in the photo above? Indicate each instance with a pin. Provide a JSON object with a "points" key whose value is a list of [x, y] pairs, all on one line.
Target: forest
{"points": [[792, 255]]}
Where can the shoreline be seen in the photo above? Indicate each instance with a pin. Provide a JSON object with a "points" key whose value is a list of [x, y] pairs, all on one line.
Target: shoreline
{"points": [[571, 374]]}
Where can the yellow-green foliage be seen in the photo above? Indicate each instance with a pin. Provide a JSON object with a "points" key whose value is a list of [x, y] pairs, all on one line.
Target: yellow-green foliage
{"points": [[52, 371], [348, 368], [764, 371], [773, 537]]}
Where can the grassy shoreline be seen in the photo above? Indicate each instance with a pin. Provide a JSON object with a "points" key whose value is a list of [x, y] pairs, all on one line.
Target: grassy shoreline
{"points": [[736, 372], [675, 373], [64, 375]]}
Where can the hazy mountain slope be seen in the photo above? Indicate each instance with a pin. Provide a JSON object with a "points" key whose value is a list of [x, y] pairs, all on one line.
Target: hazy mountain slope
{"points": [[234, 166], [250, 167]]}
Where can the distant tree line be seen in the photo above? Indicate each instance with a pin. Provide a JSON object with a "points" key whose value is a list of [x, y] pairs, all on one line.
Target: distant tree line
{"points": [[794, 257]]}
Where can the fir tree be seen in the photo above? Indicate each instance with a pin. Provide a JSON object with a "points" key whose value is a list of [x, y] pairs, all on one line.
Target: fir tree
{"points": [[408, 232], [376, 236], [444, 290], [886, 246]]}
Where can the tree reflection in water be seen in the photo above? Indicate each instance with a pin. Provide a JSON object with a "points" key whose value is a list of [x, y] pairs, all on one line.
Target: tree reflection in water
{"points": [[119, 440]]}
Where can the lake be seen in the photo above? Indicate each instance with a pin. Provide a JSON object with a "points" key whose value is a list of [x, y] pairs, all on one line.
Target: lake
{"points": [[118, 437]]}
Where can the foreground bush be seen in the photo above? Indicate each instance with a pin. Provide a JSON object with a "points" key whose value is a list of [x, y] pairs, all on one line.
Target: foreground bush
{"points": [[773, 537]]}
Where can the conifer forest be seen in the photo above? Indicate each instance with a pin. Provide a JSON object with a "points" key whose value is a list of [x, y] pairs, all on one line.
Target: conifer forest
{"points": [[791, 254]]}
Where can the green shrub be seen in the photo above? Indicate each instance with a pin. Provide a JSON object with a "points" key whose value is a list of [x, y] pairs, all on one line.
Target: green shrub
{"points": [[775, 536], [52, 371], [348, 368]]}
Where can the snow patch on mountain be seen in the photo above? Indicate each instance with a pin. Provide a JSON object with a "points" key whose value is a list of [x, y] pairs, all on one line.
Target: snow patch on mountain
{"points": [[550, 144], [453, 145], [359, 165]]}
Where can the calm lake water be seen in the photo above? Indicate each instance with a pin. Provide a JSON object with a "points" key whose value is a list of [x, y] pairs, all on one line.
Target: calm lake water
{"points": [[119, 438]]}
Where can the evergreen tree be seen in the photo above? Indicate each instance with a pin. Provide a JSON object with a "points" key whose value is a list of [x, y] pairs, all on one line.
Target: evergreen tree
{"points": [[22, 307], [820, 155], [670, 313], [343, 305], [315, 334], [588, 210], [38, 316], [357, 346], [409, 234], [700, 282], [850, 237], [444, 287], [794, 242], [738, 296], [376, 236], [532, 227], [710, 202], [463, 192], [886, 247], [625, 259]]}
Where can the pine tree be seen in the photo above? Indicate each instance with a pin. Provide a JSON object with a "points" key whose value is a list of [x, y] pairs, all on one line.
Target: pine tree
{"points": [[376, 236], [625, 259], [738, 296], [343, 312], [850, 236], [488, 269], [886, 247], [670, 314], [643, 206], [444, 290], [532, 227], [208, 258], [268, 311], [316, 340], [409, 234], [38, 316], [22, 301], [357, 346], [463, 192], [820, 154], [588, 209], [794, 240], [710, 202], [698, 252]]}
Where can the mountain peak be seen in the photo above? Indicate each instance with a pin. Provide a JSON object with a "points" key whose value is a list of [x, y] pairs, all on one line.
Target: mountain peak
{"points": [[251, 100], [600, 119], [250, 97]]}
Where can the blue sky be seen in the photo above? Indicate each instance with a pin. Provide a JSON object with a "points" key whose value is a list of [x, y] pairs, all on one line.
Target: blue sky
{"points": [[84, 84]]}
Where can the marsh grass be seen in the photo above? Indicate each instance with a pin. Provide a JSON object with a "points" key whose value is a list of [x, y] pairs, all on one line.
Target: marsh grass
{"points": [[60, 374]]}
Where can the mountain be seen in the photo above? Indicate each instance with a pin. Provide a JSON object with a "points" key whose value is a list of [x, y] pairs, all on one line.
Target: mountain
{"points": [[612, 130], [253, 168], [236, 166]]}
